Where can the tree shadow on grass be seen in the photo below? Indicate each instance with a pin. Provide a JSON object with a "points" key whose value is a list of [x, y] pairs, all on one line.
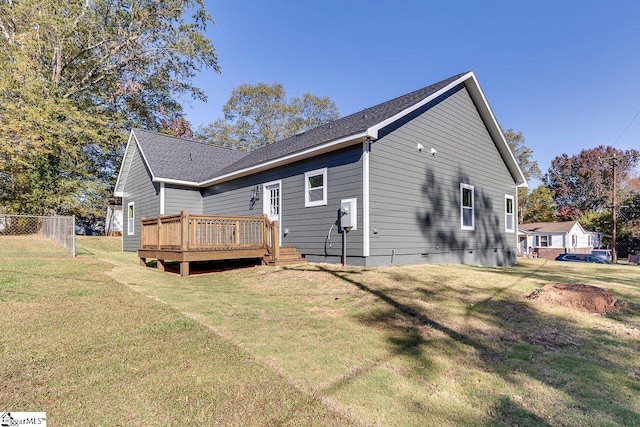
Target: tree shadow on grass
{"points": [[505, 412], [524, 343]]}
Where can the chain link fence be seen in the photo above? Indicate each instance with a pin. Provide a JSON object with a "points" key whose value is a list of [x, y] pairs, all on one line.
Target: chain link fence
{"points": [[60, 229]]}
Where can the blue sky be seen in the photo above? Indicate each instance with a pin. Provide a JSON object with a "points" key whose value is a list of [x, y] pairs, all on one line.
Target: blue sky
{"points": [[565, 73]]}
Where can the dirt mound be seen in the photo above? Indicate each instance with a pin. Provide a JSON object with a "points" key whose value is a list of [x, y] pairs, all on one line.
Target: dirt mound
{"points": [[591, 299]]}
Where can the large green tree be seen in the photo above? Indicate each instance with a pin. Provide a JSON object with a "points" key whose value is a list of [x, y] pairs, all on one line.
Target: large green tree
{"points": [[538, 206], [74, 75], [261, 114], [523, 154], [529, 167]]}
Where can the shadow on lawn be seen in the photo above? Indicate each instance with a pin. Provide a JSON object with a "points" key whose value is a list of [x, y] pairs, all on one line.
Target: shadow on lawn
{"points": [[528, 343]]}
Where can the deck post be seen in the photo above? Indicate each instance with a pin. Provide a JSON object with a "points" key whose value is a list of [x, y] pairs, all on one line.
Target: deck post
{"points": [[184, 268], [159, 232], [161, 266], [265, 240], [237, 239], [143, 232], [275, 241], [184, 238], [143, 262]]}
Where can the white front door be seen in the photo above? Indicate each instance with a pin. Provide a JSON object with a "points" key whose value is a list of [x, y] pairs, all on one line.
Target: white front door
{"points": [[272, 202]]}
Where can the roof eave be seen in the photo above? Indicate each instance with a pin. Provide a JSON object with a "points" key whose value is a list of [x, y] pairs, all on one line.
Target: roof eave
{"points": [[176, 182], [471, 82], [290, 158], [118, 189]]}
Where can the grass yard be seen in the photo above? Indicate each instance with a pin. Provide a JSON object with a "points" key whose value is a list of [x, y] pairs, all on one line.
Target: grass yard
{"points": [[90, 351], [315, 344]]}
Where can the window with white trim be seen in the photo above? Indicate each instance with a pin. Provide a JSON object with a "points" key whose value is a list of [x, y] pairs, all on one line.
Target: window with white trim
{"points": [[315, 187], [574, 240], [509, 217], [131, 218], [466, 207], [543, 241]]}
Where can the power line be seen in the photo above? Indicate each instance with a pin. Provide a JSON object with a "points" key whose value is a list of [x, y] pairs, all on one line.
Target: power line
{"points": [[625, 129]]}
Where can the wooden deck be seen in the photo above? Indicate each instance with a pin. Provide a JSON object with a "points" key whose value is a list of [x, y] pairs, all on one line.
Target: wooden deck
{"points": [[186, 238]]}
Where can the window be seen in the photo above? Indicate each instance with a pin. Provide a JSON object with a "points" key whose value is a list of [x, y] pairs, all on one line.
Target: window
{"points": [[315, 193], [466, 207], [574, 240], [542, 241], [131, 219], [509, 224]]}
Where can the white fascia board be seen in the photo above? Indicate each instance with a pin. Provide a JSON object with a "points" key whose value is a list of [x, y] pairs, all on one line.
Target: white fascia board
{"points": [[176, 182], [580, 227], [144, 158], [300, 155], [373, 130], [122, 173], [496, 131], [471, 82]]}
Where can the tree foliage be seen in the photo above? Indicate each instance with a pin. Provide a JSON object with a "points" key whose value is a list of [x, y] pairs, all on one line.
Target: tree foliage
{"points": [[522, 153], [584, 182], [73, 76], [257, 115], [538, 206]]}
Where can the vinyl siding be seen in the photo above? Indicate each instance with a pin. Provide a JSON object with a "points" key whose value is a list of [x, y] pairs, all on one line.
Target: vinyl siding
{"points": [[415, 197], [177, 199], [308, 226], [144, 193]]}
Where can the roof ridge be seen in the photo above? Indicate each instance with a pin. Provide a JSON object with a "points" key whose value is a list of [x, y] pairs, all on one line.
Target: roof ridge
{"points": [[203, 143], [353, 123]]}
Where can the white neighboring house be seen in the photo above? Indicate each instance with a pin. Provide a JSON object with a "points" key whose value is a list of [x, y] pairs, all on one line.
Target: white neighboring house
{"points": [[549, 239], [113, 218]]}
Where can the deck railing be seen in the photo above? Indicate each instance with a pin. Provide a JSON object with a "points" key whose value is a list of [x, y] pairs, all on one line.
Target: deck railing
{"points": [[186, 232]]}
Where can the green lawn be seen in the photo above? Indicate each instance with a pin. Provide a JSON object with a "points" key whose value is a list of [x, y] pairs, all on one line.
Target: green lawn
{"points": [[90, 351], [412, 345]]}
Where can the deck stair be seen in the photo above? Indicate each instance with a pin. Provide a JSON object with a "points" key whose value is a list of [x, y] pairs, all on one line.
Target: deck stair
{"points": [[287, 256]]}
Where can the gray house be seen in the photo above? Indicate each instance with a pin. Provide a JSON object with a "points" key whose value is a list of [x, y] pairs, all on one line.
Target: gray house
{"points": [[427, 177]]}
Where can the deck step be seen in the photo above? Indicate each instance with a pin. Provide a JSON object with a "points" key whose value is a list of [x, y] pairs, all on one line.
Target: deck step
{"points": [[288, 256], [291, 261]]}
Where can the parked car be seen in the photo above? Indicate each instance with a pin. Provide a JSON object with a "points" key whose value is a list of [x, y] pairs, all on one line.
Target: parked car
{"points": [[605, 253], [583, 258]]}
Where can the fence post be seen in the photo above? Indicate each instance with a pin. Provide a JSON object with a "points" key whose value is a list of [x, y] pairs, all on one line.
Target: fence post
{"points": [[73, 236]]}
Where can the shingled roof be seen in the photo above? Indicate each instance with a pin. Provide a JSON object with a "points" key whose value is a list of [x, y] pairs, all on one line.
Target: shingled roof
{"points": [[172, 159], [549, 227], [175, 160], [180, 159], [345, 126]]}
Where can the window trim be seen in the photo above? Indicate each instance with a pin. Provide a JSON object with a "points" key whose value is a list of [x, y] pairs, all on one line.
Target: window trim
{"points": [[131, 220], [464, 186], [539, 240], [507, 214], [308, 203]]}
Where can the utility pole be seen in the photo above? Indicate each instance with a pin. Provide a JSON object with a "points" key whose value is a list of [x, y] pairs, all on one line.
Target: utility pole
{"points": [[614, 255], [614, 207]]}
